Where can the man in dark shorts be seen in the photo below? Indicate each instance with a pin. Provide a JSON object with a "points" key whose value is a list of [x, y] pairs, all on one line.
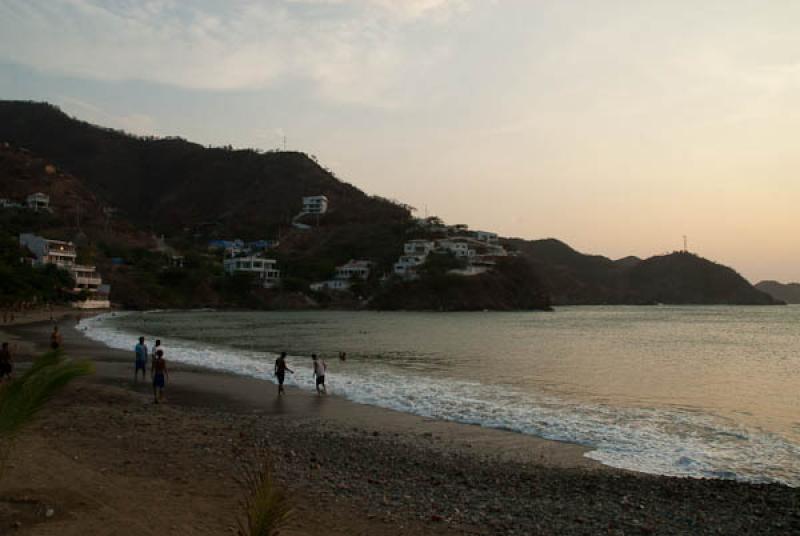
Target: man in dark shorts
{"points": [[6, 368], [280, 371], [141, 359], [160, 375], [319, 372]]}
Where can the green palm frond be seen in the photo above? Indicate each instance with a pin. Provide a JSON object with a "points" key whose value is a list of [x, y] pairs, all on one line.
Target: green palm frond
{"points": [[266, 505], [22, 398]]}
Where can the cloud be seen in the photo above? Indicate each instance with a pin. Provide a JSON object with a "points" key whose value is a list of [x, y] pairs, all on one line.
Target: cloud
{"points": [[141, 124], [345, 50]]}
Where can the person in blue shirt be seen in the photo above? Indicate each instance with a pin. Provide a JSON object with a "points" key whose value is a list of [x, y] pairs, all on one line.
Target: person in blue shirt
{"points": [[141, 359]]}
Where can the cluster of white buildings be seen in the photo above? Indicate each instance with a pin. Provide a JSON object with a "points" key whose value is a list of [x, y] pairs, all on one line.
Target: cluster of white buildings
{"points": [[479, 250], [353, 270], [64, 255], [38, 202]]}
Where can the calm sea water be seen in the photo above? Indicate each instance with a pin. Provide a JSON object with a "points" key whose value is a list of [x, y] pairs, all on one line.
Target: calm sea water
{"points": [[693, 391]]}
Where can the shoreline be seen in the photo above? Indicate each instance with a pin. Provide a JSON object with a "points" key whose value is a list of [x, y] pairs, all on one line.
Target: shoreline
{"points": [[363, 469], [192, 384]]}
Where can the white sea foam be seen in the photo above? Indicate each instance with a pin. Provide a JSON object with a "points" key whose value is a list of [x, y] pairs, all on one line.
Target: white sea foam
{"points": [[666, 442]]}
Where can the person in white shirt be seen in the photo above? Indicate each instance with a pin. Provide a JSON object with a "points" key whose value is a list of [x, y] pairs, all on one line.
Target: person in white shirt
{"points": [[156, 348], [319, 373]]}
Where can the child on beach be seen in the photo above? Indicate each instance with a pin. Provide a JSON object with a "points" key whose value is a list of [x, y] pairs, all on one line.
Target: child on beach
{"points": [[280, 371], [319, 372], [141, 359], [160, 374]]}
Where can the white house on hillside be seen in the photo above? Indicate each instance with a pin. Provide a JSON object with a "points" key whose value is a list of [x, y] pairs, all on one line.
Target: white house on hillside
{"points": [[485, 236], [63, 255], [38, 201], [418, 247], [407, 265], [265, 269], [315, 204], [458, 248], [353, 269], [57, 252], [331, 284]]}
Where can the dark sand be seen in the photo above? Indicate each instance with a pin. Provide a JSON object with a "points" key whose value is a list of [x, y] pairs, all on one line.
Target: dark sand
{"points": [[103, 459]]}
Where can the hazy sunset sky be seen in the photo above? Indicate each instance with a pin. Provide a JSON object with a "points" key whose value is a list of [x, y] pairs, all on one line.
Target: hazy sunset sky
{"points": [[617, 127]]}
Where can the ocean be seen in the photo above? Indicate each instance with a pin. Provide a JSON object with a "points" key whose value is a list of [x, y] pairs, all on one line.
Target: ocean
{"points": [[673, 390]]}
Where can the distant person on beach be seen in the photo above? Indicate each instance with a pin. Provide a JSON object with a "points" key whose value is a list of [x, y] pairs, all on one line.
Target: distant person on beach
{"points": [[55, 339], [280, 371], [160, 375], [6, 367], [141, 359], [342, 356], [319, 373]]}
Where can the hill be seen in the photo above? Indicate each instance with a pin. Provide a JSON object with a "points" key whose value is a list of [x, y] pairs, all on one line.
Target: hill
{"points": [[685, 278], [513, 285], [192, 193], [573, 278], [788, 292], [171, 185]]}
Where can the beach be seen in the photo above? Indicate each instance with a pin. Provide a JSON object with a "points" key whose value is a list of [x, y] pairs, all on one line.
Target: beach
{"points": [[103, 459]]}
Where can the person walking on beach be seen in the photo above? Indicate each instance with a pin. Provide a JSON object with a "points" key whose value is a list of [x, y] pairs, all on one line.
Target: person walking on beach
{"points": [[280, 371], [55, 339], [160, 374], [319, 373], [141, 359], [6, 367]]}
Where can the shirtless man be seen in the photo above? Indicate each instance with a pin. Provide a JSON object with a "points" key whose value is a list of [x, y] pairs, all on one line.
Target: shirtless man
{"points": [[319, 372], [160, 374], [280, 371]]}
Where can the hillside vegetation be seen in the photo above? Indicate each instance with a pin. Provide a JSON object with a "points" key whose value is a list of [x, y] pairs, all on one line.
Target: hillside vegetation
{"points": [[113, 194], [170, 185]]}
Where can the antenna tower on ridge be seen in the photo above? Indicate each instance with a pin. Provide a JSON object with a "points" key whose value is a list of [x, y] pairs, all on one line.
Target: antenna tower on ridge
{"points": [[685, 244]]}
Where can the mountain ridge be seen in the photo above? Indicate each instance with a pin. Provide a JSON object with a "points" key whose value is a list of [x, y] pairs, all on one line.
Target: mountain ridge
{"points": [[787, 292], [192, 194]]}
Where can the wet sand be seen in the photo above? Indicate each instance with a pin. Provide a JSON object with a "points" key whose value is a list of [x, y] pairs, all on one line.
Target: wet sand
{"points": [[106, 460]]}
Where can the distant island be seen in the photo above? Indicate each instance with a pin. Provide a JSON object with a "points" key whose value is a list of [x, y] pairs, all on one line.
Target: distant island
{"points": [[163, 222], [788, 292]]}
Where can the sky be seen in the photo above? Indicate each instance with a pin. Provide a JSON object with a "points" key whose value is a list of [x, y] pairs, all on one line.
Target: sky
{"points": [[617, 127]]}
